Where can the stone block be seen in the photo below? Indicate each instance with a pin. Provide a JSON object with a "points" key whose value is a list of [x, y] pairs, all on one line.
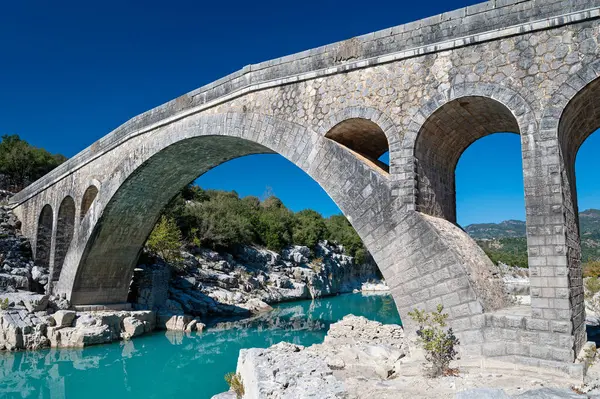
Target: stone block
{"points": [[494, 349], [172, 322], [64, 318], [133, 327]]}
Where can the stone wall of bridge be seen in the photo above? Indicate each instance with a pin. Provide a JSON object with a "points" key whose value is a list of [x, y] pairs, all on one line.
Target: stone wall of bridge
{"points": [[428, 90]]}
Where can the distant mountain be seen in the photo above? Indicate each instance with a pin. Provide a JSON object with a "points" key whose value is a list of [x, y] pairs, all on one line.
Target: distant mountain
{"points": [[505, 242], [506, 229], [589, 222]]}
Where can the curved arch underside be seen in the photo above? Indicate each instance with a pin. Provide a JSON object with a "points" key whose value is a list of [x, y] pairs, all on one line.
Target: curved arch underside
{"points": [[443, 138], [116, 241], [86, 202], [65, 225], [363, 137]]}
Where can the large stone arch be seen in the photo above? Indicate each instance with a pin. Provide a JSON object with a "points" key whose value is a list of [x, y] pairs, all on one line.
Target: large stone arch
{"points": [[159, 164], [441, 141], [493, 102]]}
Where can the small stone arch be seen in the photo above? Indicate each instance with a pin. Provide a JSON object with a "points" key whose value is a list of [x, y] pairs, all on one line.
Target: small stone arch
{"points": [[88, 198], [44, 237], [571, 116], [494, 109], [65, 227], [367, 132]]}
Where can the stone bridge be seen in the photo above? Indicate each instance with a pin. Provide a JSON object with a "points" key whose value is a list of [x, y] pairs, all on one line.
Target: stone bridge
{"points": [[425, 91]]}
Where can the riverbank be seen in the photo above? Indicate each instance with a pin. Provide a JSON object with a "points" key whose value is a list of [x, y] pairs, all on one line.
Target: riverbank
{"points": [[206, 283], [363, 359], [203, 285], [176, 363]]}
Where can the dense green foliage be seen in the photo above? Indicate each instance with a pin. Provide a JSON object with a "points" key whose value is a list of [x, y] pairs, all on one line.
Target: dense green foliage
{"points": [[165, 240], [591, 269], [439, 344], [222, 220], [510, 251], [22, 164]]}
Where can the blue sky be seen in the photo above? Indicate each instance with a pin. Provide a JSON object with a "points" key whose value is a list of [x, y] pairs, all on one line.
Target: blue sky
{"points": [[72, 71]]}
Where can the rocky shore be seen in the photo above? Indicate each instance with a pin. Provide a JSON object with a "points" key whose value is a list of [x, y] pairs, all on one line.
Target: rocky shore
{"points": [[209, 284], [362, 359], [204, 285]]}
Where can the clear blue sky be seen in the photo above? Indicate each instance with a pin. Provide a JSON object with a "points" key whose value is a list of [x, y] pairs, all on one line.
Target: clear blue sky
{"points": [[71, 71]]}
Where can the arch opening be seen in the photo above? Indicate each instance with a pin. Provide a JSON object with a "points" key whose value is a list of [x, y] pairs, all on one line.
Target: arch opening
{"points": [[442, 140], [116, 240], [363, 138], [65, 226], [86, 201], [44, 237], [579, 120], [490, 198]]}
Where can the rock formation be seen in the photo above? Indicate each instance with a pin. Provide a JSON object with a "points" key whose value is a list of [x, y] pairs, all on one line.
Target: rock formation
{"points": [[353, 346], [18, 270], [209, 284]]}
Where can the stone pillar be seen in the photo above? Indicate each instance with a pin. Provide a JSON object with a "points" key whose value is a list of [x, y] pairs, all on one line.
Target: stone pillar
{"points": [[553, 242]]}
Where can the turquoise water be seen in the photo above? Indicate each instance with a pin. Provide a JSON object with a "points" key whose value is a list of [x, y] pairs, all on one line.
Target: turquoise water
{"points": [[164, 365]]}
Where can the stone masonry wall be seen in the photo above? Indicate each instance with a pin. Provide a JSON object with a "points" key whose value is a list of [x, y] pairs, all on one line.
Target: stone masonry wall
{"points": [[521, 61]]}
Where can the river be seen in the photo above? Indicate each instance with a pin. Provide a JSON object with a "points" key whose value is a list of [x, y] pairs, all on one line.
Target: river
{"points": [[165, 364]]}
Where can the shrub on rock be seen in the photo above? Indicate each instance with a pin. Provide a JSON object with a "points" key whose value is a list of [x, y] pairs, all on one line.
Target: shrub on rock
{"points": [[439, 344]]}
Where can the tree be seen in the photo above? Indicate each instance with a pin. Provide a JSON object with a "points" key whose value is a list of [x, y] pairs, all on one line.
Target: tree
{"points": [[274, 226], [21, 164], [309, 228], [165, 240], [221, 222]]}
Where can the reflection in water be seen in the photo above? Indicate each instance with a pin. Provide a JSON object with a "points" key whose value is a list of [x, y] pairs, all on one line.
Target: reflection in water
{"points": [[175, 363]]}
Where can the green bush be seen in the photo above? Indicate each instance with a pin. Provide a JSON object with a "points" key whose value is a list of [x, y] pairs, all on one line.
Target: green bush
{"points": [[4, 304], [234, 381], [592, 287], [165, 240], [274, 228], [591, 269], [439, 344]]}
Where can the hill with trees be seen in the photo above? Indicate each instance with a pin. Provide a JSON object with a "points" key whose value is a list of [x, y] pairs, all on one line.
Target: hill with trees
{"points": [[21, 163], [222, 220], [506, 242]]}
